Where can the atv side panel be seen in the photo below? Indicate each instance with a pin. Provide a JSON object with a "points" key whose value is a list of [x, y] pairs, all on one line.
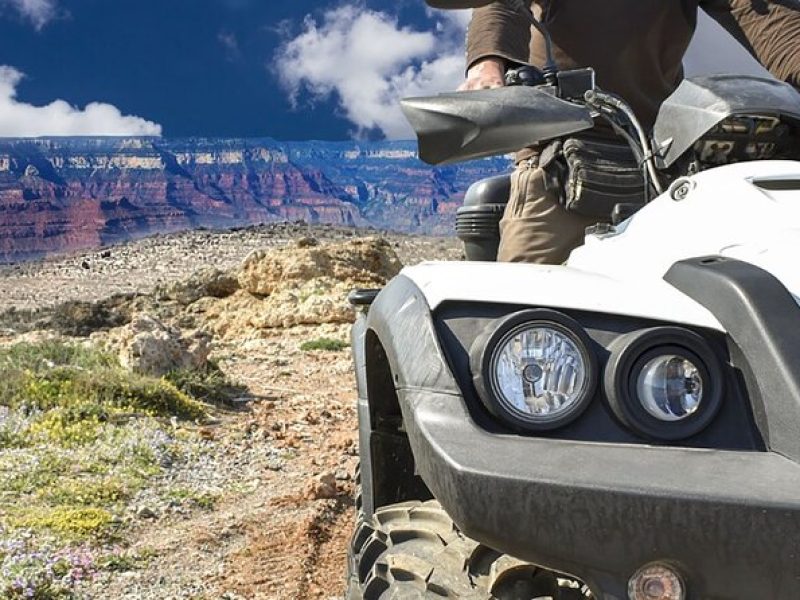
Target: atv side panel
{"points": [[387, 464], [762, 318]]}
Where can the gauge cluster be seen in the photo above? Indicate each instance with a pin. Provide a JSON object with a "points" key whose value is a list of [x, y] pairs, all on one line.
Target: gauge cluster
{"points": [[745, 138]]}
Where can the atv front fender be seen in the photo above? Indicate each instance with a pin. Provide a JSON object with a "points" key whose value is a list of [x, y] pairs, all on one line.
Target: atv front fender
{"points": [[729, 521]]}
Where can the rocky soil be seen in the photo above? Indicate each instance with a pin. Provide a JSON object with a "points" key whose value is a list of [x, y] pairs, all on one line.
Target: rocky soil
{"points": [[138, 267], [278, 462]]}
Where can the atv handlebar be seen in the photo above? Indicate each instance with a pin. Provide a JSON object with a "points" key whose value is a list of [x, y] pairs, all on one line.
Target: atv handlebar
{"points": [[610, 107]]}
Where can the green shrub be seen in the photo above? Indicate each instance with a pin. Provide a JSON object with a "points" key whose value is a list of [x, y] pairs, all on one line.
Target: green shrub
{"points": [[60, 426], [324, 344], [66, 521], [23, 364], [80, 436], [83, 492], [43, 356], [157, 397], [210, 385], [70, 384]]}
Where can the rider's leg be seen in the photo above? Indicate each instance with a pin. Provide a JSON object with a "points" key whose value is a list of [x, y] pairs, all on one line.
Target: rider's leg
{"points": [[535, 227]]}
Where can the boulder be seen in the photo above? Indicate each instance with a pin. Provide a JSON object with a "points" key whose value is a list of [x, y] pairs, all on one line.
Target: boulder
{"points": [[366, 261], [150, 347], [207, 282], [303, 284]]}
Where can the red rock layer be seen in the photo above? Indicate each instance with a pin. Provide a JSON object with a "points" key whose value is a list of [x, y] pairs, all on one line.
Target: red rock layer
{"points": [[66, 194]]}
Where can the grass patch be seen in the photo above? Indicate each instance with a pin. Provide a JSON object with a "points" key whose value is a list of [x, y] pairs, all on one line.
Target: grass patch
{"points": [[80, 436], [65, 521], [82, 492], [25, 477], [66, 394], [121, 562], [188, 497], [324, 344], [210, 385], [43, 356], [69, 493]]}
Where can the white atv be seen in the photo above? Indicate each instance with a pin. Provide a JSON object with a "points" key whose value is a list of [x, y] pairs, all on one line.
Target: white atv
{"points": [[624, 426]]}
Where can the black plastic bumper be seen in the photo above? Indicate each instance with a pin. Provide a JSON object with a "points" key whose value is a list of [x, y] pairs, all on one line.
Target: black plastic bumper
{"points": [[730, 521]]}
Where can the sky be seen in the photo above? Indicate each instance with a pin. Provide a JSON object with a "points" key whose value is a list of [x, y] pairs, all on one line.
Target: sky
{"points": [[287, 69]]}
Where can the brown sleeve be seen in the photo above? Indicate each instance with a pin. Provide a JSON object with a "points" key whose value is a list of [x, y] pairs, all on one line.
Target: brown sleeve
{"points": [[769, 29], [497, 30]]}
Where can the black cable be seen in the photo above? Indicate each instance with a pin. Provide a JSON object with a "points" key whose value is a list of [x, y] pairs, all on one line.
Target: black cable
{"points": [[550, 69]]}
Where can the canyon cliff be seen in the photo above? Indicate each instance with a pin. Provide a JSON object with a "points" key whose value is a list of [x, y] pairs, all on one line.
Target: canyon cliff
{"points": [[61, 194]]}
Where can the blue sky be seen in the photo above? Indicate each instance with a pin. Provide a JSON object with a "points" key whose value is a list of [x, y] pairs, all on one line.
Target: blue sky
{"points": [[219, 67], [288, 69]]}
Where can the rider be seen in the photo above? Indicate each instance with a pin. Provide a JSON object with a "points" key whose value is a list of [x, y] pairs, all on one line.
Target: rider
{"points": [[636, 48]]}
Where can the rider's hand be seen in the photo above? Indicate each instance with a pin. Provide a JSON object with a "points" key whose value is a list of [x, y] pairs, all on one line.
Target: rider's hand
{"points": [[485, 74]]}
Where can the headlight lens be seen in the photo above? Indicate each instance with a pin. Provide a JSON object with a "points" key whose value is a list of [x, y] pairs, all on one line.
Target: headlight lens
{"points": [[670, 387], [539, 372], [665, 383], [534, 369]]}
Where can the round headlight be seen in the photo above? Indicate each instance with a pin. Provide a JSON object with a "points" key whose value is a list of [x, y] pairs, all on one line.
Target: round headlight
{"points": [[534, 369], [665, 383], [670, 387]]}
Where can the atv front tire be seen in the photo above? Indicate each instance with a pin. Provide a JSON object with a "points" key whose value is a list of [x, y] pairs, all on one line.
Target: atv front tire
{"points": [[413, 550]]}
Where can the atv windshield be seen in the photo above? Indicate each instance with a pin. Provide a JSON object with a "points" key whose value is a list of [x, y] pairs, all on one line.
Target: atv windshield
{"points": [[700, 104]]}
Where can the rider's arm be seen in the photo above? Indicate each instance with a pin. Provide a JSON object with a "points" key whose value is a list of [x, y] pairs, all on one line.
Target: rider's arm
{"points": [[769, 29], [498, 32]]}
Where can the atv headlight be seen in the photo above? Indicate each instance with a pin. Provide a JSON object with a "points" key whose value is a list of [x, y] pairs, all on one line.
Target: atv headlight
{"points": [[534, 369], [664, 383], [670, 387]]}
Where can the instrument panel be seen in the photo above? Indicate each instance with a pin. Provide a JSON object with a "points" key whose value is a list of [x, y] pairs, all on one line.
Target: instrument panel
{"points": [[748, 137]]}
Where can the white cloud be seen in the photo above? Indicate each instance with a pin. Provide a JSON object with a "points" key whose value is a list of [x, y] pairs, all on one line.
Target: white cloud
{"points": [[38, 12], [59, 118], [230, 44], [368, 62], [451, 20]]}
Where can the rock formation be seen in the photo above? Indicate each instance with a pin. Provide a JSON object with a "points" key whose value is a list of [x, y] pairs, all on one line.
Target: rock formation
{"points": [[148, 346], [304, 284], [69, 193]]}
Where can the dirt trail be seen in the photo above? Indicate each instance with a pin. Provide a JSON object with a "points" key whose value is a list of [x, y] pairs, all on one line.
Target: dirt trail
{"points": [[296, 546], [285, 537]]}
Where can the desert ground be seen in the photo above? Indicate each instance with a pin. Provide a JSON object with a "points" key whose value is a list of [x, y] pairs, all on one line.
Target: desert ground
{"points": [[254, 498]]}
